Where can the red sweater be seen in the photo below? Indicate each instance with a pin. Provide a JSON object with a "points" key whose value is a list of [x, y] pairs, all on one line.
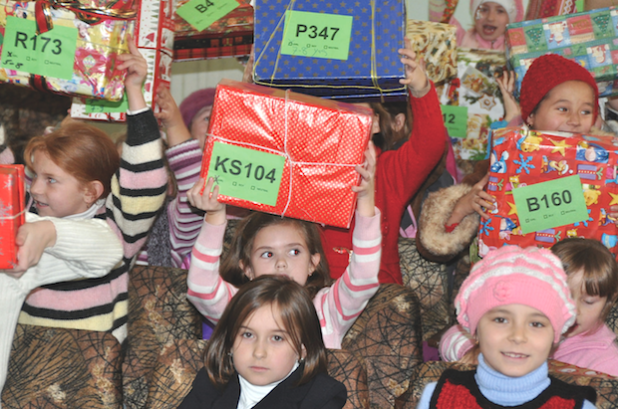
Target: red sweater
{"points": [[399, 174]]}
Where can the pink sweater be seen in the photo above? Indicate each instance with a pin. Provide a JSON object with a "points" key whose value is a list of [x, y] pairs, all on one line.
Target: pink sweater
{"points": [[597, 351], [337, 306]]}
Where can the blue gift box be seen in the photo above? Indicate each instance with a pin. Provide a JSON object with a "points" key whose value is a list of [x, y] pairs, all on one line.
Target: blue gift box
{"points": [[372, 66]]}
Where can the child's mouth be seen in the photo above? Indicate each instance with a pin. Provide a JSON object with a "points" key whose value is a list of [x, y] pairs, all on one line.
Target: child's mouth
{"points": [[40, 204], [489, 30], [514, 355]]}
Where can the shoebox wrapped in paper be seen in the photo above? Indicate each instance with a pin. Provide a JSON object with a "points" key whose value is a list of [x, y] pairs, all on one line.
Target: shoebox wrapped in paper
{"points": [[472, 102], [197, 37], [69, 48], [341, 50], [589, 38], [154, 34], [550, 186], [286, 153], [12, 214], [436, 43]]}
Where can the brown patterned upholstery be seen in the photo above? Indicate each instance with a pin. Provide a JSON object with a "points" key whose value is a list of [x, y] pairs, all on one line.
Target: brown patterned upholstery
{"points": [[605, 385], [62, 368]]}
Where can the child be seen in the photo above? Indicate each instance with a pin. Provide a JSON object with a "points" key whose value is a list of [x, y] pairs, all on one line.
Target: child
{"points": [[267, 244], [556, 95], [516, 303], [76, 176], [593, 280], [266, 352]]}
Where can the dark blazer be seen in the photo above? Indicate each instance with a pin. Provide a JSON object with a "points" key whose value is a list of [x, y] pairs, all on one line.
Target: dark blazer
{"points": [[321, 392]]}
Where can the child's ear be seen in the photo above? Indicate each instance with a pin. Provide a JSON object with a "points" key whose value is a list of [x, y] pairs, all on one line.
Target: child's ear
{"points": [[399, 122], [246, 270], [93, 192], [303, 352], [530, 120], [315, 260]]}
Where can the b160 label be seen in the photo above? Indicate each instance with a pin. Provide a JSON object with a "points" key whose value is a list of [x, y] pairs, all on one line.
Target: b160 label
{"points": [[246, 173], [550, 204], [316, 35], [51, 54]]}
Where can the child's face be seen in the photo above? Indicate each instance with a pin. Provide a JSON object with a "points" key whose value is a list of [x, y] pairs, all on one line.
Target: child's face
{"points": [[490, 21], [262, 352], [199, 125], [589, 307], [55, 192], [568, 107], [515, 339], [282, 250]]}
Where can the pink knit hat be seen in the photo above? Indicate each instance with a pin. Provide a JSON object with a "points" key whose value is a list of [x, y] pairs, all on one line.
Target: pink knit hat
{"points": [[192, 104], [512, 275], [514, 8]]}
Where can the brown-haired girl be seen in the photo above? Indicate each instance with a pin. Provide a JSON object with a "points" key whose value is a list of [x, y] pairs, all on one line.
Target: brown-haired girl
{"points": [[76, 175], [266, 352], [279, 246]]}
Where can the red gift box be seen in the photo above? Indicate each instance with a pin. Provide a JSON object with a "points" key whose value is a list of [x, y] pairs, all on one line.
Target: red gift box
{"points": [[320, 141], [521, 157], [12, 214]]}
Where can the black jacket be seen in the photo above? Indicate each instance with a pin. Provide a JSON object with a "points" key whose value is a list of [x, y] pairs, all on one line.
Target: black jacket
{"points": [[321, 392]]}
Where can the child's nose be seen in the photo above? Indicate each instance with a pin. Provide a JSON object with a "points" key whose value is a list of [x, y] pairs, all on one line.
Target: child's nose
{"points": [[518, 334], [35, 186], [259, 350], [281, 263]]}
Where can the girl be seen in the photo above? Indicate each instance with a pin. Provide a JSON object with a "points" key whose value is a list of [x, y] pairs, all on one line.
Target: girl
{"points": [[267, 244], [76, 176], [556, 95], [516, 304], [266, 352]]}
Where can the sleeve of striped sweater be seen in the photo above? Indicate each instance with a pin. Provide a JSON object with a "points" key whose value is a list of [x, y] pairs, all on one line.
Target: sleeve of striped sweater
{"points": [[455, 343], [338, 306], [185, 160], [140, 185], [206, 289]]}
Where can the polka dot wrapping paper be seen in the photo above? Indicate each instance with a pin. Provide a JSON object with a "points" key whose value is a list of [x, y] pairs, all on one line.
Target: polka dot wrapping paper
{"points": [[12, 216], [320, 140], [520, 158]]}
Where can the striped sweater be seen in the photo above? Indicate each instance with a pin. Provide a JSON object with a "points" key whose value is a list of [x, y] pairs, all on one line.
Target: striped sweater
{"points": [[337, 306], [138, 192]]}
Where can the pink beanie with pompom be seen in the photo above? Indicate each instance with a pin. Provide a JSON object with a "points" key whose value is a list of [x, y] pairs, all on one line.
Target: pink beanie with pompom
{"points": [[512, 275]]}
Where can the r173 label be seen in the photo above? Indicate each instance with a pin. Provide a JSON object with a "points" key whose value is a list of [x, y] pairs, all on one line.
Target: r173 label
{"points": [[316, 35], [246, 173], [51, 54]]}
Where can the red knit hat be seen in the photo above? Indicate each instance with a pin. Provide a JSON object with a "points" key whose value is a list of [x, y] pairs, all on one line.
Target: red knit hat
{"points": [[547, 72], [192, 104]]}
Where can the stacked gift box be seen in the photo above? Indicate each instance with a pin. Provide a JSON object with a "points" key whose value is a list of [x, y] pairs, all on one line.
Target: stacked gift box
{"points": [[286, 153], [154, 34], [590, 38], [342, 50], [521, 158], [98, 37], [11, 212], [436, 43], [230, 36]]}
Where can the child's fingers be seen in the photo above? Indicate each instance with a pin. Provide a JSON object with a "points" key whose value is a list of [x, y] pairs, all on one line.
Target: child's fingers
{"points": [[132, 47]]}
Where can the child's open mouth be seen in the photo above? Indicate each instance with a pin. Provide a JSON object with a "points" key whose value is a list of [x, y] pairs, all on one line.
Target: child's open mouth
{"points": [[40, 204], [514, 355], [489, 30]]}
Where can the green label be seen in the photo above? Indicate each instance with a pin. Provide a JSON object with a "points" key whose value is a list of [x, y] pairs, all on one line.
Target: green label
{"points": [[245, 173], [579, 6], [202, 13], [550, 204], [316, 35], [51, 54], [95, 106], [455, 120]]}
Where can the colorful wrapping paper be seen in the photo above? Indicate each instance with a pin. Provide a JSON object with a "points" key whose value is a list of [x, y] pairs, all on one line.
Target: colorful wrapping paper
{"points": [[230, 36], [589, 38], [372, 69], [320, 141], [437, 44], [520, 158], [154, 33], [12, 214], [476, 89], [98, 44]]}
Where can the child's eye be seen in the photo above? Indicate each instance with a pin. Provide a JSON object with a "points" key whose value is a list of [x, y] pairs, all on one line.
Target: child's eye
{"points": [[500, 320], [586, 112], [538, 324], [591, 300], [51, 180], [247, 335], [562, 109], [294, 252], [277, 338], [266, 254]]}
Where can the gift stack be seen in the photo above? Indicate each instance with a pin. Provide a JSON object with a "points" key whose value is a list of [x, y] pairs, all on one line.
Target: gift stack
{"points": [[154, 34], [229, 36], [12, 214], [472, 102], [285, 153], [550, 186], [436, 43], [341, 50], [589, 37], [70, 50]]}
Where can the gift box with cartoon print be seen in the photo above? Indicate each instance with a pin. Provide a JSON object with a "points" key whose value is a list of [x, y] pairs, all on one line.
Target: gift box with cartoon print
{"points": [[590, 38], [12, 214], [572, 178]]}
